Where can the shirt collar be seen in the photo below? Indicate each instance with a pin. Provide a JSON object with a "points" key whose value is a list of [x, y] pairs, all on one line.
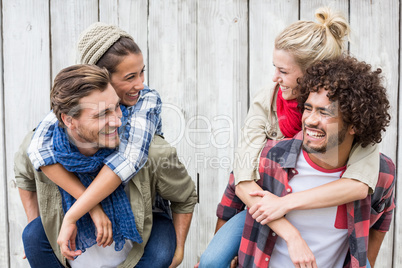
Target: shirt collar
{"points": [[142, 95], [292, 151]]}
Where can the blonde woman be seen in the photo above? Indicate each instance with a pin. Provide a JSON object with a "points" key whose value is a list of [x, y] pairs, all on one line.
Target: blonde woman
{"points": [[274, 114]]}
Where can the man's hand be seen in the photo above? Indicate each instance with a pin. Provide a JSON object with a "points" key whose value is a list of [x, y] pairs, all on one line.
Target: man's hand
{"points": [[300, 253], [68, 232], [103, 226], [178, 258], [269, 208]]}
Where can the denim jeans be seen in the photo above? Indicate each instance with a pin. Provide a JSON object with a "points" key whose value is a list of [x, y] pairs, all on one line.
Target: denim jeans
{"points": [[225, 244], [158, 252], [161, 245], [37, 247]]}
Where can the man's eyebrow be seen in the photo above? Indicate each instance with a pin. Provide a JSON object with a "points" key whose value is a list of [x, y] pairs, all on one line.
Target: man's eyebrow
{"points": [[329, 109], [102, 112]]}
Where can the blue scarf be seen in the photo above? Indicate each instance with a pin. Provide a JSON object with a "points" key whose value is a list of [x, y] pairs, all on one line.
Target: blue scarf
{"points": [[116, 205]]}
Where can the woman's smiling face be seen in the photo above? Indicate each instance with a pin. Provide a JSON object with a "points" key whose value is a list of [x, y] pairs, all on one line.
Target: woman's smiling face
{"points": [[286, 73], [128, 79]]}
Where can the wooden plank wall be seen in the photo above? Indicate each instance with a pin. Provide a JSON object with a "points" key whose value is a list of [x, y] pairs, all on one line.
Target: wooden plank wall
{"points": [[206, 58], [4, 255]]}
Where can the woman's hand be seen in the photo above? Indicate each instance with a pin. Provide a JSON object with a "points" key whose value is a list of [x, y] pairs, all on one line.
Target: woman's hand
{"points": [[103, 226], [300, 253], [67, 234], [269, 208]]}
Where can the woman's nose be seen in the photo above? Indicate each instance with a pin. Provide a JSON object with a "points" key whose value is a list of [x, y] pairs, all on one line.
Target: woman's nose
{"points": [[276, 77], [139, 83]]}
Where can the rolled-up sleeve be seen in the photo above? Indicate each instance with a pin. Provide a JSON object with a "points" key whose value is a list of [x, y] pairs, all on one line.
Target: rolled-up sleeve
{"points": [[40, 150], [230, 204]]}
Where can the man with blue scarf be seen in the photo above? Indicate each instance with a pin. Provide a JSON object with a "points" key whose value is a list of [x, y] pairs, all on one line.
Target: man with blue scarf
{"points": [[89, 114]]}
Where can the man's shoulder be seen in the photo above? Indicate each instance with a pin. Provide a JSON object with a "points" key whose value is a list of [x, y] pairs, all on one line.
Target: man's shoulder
{"points": [[387, 166], [386, 177], [21, 160], [160, 148], [23, 168]]}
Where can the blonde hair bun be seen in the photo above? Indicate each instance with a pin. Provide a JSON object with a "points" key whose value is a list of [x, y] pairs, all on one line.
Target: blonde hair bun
{"points": [[310, 42], [334, 21]]}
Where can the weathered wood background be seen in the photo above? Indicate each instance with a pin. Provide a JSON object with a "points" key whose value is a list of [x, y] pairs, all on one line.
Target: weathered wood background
{"points": [[207, 58]]}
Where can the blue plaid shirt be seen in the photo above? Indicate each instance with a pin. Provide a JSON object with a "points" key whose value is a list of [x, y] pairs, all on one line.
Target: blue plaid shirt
{"points": [[139, 125]]}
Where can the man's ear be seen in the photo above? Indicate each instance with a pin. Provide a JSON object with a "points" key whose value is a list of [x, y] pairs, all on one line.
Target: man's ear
{"points": [[67, 120], [351, 130]]}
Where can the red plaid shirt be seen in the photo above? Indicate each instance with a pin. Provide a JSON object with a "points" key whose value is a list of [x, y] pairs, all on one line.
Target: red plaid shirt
{"points": [[277, 167]]}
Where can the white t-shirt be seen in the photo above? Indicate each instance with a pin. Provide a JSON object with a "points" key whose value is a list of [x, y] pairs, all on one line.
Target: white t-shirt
{"points": [[100, 257], [328, 241]]}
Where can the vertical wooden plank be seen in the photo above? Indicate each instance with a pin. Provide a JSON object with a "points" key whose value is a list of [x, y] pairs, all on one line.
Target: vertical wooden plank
{"points": [[68, 20], [397, 246], [267, 20], [370, 28], [108, 11], [4, 252], [132, 17], [222, 49], [173, 72], [308, 7], [26, 98]]}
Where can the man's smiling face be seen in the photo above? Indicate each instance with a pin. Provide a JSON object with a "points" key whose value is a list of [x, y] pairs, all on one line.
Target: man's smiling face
{"points": [[323, 127]]}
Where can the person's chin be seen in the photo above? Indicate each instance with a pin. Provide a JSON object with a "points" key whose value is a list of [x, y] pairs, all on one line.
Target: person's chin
{"points": [[110, 144]]}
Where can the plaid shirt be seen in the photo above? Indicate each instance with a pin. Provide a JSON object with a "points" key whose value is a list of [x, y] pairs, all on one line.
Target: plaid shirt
{"points": [[277, 167], [139, 124]]}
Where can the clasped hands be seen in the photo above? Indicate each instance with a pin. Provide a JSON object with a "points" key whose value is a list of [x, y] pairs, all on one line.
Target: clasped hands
{"points": [[68, 232], [269, 208]]}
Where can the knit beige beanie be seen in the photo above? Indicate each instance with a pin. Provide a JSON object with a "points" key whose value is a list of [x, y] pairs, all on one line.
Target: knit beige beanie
{"points": [[96, 40]]}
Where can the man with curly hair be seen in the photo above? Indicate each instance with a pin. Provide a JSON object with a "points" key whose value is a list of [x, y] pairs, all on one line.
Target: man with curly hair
{"points": [[344, 105]]}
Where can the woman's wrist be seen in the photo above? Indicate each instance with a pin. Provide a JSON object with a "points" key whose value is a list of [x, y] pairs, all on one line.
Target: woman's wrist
{"points": [[289, 202], [69, 218]]}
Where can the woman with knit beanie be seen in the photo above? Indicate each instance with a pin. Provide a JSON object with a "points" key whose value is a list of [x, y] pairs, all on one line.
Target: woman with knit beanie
{"points": [[274, 114], [110, 47]]}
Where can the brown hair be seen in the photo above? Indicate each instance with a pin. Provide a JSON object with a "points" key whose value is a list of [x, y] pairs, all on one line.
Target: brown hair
{"points": [[310, 42], [359, 91], [115, 54], [72, 84]]}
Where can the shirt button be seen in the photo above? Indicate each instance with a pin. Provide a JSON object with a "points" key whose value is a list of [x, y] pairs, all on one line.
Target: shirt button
{"points": [[273, 134], [266, 259], [273, 234], [293, 171], [288, 190]]}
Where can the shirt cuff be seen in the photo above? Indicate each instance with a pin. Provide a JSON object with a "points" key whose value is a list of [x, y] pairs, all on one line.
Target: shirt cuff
{"points": [[124, 169], [42, 158]]}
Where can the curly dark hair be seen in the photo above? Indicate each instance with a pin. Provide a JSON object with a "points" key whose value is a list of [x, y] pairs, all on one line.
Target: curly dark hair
{"points": [[362, 98]]}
